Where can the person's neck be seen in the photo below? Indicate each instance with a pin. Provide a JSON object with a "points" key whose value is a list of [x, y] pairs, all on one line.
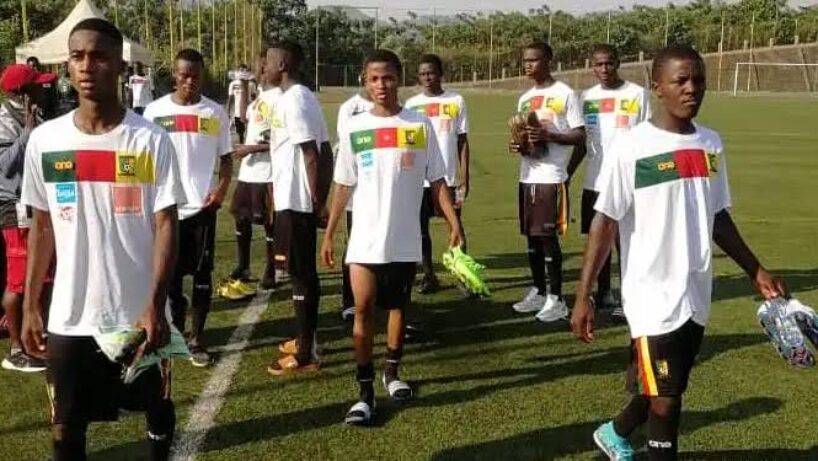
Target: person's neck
{"points": [[287, 83], [615, 84], [431, 92], [92, 117], [387, 110], [180, 99], [667, 122], [544, 81]]}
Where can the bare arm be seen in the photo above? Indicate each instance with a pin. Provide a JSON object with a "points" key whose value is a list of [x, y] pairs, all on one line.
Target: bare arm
{"points": [[340, 197], [310, 150], [440, 192], [464, 157], [728, 238], [216, 197], [580, 150], [243, 150], [165, 245], [40, 254], [600, 240], [573, 137]]}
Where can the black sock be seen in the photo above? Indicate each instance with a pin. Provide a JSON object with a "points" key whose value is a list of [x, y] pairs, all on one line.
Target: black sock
{"points": [[69, 442], [161, 426], [536, 261], [393, 357], [268, 232], [202, 291], [306, 295], [632, 416], [244, 238], [365, 375], [663, 428], [553, 264]]}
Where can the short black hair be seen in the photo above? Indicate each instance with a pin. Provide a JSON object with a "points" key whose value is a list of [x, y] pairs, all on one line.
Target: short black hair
{"points": [[544, 47], [382, 55], [294, 52], [604, 48], [432, 59], [673, 53], [190, 55], [103, 27], [33, 59]]}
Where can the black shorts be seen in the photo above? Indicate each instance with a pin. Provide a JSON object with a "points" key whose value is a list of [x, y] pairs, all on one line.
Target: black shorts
{"points": [[197, 241], [294, 241], [84, 386], [428, 208], [252, 201], [588, 201], [539, 209], [660, 365], [393, 284]]}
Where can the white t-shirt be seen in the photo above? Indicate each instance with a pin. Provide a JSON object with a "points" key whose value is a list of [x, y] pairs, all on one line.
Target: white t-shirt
{"points": [[387, 159], [141, 90], [200, 133], [101, 192], [353, 106], [256, 168], [609, 112], [665, 189], [240, 96], [559, 110], [449, 118], [297, 119]]}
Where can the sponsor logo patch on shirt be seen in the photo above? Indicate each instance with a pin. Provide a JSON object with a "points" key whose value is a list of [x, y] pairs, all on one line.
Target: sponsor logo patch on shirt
{"points": [[189, 123], [66, 193]]}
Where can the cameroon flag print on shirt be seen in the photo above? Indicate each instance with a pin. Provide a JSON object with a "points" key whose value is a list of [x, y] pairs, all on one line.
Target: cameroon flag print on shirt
{"points": [[98, 166], [434, 109], [555, 105], [671, 166], [411, 137], [188, 123]]}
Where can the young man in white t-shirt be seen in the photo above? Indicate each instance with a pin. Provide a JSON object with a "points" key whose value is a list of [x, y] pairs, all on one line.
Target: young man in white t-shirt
{"points": [[665, 190], [543, 174], [253, 195], [356, 105], [240, 92], [447, 111], [141, 89], [385, 155], [610, 108], [299, 141], [200, 131], [104, 187]]}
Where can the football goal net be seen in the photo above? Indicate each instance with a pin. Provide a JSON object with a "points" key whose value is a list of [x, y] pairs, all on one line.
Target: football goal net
{"points": [[778, 77]]}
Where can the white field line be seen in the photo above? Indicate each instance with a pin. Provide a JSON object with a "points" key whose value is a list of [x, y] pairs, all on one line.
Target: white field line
{"points": [[209, 403]]}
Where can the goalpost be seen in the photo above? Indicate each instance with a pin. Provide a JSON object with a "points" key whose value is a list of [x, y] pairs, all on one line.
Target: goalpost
{"points": [[776, 76]]}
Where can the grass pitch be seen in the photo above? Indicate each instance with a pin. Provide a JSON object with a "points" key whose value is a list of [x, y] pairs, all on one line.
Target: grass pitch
{"points": [[492, 384]]}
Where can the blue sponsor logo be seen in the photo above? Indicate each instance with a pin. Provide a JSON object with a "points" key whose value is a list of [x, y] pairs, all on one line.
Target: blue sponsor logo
{"points": [[367, 160], [66, 193], [591, 119]]}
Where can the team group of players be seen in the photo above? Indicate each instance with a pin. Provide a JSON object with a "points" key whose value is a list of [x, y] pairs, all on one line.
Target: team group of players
{"points": [[112, 192]]}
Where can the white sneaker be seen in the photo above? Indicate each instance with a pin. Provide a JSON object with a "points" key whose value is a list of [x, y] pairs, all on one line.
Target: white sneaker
{"points": [[532, 302], [553, 310]]}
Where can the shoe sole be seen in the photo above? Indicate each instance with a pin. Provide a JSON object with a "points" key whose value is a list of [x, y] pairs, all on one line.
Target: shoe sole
{"points": [[10, 367], [550, 319], [601, 446], [200, 364], [526, 310]]}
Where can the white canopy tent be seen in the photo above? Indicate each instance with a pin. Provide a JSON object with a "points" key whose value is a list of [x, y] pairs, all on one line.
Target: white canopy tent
{"points": [[52, 48]]}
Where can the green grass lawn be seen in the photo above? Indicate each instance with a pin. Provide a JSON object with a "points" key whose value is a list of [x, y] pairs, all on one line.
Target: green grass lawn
{"points": [[495, 385]]}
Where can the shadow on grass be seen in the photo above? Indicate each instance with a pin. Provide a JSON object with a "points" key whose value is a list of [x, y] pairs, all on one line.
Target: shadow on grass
{"points": [[576, 438], [738, 285], [516, 260]]}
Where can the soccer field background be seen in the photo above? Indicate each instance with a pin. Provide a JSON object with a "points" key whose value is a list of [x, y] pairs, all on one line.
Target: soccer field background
{"points": [[492, 384]]}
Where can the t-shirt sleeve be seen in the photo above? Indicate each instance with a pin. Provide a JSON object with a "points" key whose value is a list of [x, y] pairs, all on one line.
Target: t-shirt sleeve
{"points": [[617, 182], [573, 111], [462, 118], [303, 119], [148, 114], [33, 191], [346, 170], [225, 142], [435, 166], [720, 186], [169, 190]]}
